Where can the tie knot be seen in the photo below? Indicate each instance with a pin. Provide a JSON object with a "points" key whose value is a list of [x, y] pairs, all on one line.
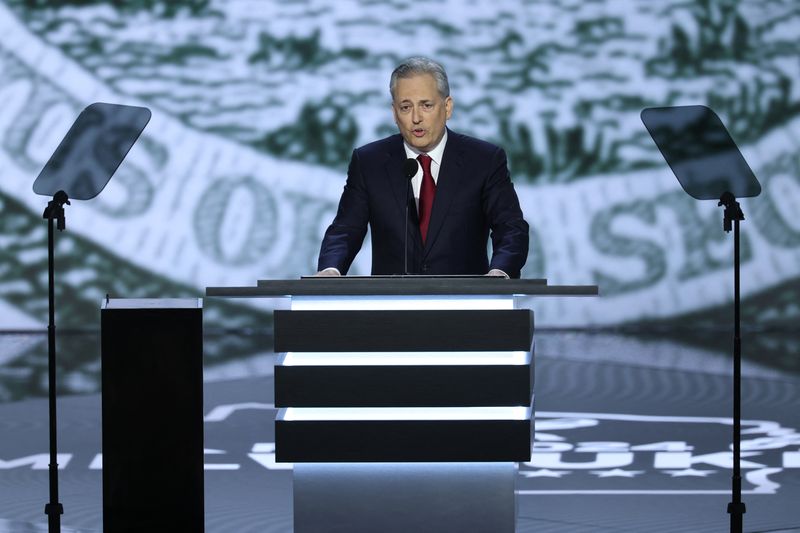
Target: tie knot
{"points": [[425, 161]]}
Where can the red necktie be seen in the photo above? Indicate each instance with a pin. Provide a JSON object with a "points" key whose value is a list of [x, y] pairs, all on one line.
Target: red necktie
{"points": [[426, 194]]}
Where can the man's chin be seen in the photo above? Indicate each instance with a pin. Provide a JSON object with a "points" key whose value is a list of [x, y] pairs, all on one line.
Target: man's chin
{"points": [[420, 143]]}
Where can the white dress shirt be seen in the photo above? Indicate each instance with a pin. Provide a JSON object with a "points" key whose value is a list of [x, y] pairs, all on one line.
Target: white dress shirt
{"points": [[436, 163]]}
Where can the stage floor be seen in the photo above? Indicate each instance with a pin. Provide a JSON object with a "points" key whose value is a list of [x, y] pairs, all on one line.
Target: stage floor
{"points": [[633, 435]]}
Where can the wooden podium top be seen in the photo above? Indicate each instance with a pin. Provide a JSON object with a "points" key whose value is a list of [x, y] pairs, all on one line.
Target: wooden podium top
{"points": [[402, 286]]}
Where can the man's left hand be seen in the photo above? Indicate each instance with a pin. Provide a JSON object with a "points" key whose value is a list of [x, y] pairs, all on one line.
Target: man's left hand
{"points": [[496, 273]]}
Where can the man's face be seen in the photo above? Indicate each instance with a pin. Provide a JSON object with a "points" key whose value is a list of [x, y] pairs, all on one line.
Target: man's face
{"points": [[420, 111]]}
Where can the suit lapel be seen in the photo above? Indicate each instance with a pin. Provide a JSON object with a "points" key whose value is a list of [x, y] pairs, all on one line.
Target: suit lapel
{"points": [[446, 187], [399, 184]]}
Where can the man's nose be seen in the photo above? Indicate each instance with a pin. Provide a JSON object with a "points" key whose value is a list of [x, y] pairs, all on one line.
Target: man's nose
{"points": [[416, 116]]}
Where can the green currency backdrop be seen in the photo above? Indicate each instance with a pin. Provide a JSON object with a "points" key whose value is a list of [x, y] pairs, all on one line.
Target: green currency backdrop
{"points": [[257, 106]]}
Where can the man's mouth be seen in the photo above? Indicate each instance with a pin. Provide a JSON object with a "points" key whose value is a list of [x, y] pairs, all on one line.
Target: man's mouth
{"points": [[418, 132]]}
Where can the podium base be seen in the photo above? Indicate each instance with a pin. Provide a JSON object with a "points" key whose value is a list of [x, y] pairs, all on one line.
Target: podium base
{"points": [[402, 497]]}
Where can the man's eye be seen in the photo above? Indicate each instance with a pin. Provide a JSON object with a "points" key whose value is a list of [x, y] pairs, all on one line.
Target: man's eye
{"points": [[427, 106], [405, 108]]}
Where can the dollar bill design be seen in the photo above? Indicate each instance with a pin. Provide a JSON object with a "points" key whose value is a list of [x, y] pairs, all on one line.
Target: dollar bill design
{"points": [[257, 106]]}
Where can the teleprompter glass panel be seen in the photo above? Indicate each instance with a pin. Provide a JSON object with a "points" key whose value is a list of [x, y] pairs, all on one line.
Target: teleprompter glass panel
{"points": [[700, 152], [92, 150]]}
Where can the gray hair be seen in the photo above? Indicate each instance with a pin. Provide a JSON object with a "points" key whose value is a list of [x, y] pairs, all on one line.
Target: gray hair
{"points": [[414, 66]]}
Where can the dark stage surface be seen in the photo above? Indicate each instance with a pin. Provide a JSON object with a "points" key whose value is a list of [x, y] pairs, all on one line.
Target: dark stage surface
{"points": [[633, 435]]}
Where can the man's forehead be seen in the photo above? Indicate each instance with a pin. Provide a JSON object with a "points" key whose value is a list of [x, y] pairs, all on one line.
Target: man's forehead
{"points": [[411, 99]]}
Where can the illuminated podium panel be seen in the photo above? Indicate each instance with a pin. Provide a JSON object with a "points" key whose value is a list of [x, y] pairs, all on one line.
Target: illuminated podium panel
{"points": [[418, 330], [442, 398], [418, 402], [404, 402], [408, 379]]}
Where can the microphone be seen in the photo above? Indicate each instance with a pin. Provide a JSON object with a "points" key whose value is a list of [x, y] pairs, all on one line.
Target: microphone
{"points": [[410, 168]]}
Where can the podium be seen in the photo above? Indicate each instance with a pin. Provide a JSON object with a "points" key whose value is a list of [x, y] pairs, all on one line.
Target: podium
{"points": [[405, 402]]}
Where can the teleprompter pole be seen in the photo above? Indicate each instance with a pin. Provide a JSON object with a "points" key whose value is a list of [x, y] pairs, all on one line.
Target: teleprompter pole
{"points": [[54, 213], [736, 508]]}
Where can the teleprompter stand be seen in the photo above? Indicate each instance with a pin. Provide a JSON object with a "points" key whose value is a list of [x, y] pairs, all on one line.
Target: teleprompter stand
{"points": [[80, 168], [709, 166]]}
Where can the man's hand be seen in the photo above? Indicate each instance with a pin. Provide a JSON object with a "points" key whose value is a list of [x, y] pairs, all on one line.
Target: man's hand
{"points": [[328, 272], [496, 273]]}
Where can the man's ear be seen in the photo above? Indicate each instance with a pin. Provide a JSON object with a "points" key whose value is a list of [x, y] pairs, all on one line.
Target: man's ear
{"points": [[448, 106]]}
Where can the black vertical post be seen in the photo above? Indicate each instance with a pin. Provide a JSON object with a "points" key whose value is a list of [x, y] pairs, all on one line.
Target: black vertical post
{"points": [[54, 212], [736, 508]]}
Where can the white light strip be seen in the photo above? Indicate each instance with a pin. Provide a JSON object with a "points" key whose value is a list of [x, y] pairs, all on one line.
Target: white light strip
{"points": [[303, 414], [405, 358], [399, 303], [430, 470]]}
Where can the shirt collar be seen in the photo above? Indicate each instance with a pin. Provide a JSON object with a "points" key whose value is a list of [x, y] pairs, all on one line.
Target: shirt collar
{"points": [[435, 154]]}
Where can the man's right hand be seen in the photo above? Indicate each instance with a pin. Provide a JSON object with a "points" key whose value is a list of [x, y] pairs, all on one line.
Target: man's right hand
{"points": [[328, 272]]}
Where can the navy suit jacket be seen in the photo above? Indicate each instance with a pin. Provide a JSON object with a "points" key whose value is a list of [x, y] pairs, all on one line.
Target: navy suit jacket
{"points": [[474, 195]]}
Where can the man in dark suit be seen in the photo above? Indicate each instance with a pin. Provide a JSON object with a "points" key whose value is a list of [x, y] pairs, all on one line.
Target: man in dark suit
{"points": [[461, 193]]}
